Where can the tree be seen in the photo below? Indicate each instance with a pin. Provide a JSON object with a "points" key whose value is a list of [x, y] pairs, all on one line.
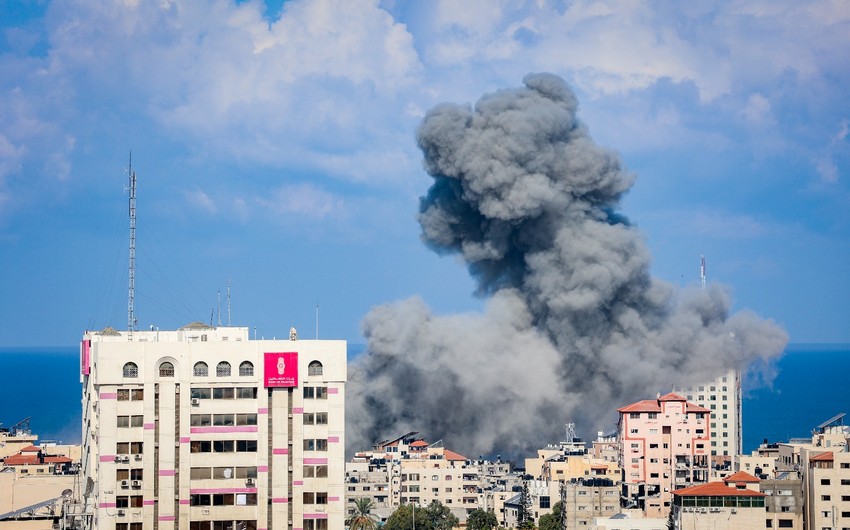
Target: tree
{"points": [[523, 517], [441, 517], [362, 518], [552, 521], [479, 519], [403, 519]]}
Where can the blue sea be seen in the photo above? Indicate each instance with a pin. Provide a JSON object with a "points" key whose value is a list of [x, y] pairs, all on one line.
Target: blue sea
{"points": [[810, 386]]}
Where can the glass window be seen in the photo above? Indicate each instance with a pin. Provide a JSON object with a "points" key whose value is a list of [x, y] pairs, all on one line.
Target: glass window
{"points": [[131, 370], [201, 369], [137, 394], [223, 369], [314, 368], [246, 419], [246, 393], [201, 393], [321, 418], [166, 369], [123, 421], [137, 421], [223, 446], [123, 395], [246, 369], [246, 446], [223, 393], [223, 419], [200, 473]]}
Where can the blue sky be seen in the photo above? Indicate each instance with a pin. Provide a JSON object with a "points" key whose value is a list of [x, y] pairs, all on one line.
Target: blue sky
{"points": [[275, 146]]}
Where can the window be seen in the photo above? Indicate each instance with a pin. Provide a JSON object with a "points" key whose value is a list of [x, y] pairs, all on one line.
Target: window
{"points": [[201, 369], [315, 392], [166, 369], [652, 415], [246, 393], [634, 415], [824, 482], [223, 369], [223, 393], [201, 393], [825, 498], [246, 369], [246, 446], [131, 370], [246, 419]]}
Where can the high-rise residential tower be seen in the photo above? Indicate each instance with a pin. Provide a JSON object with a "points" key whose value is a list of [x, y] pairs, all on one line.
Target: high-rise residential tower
{"points": [[202, 428]]}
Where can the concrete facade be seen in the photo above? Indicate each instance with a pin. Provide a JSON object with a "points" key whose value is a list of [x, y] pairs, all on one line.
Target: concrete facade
{"points": [[202, 428], [663, 446], [722, 397]]}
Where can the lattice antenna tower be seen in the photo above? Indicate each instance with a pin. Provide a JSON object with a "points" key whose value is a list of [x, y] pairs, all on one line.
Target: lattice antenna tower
{"points": [[131, 292], [702, 272]]}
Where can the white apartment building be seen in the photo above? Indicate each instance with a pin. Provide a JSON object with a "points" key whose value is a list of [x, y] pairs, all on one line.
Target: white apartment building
{"points": [[722, 397], [202, 428]]}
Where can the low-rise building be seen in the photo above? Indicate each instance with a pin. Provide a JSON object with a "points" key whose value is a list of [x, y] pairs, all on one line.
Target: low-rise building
{"points": [[734, 504]]}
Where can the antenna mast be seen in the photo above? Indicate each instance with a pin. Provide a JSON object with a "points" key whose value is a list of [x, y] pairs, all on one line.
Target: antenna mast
{"points": [[702, 272], [228, 302], [131, 294]]}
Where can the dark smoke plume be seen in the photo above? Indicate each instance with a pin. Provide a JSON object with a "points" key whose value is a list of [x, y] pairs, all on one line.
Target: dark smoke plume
{"points": [[574, 327]]}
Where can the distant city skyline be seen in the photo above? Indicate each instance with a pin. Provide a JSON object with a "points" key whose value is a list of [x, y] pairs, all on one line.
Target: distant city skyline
{"points": [[274, 145]]}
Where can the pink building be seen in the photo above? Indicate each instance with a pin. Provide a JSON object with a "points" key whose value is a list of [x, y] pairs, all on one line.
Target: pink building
{"points": [[664, 445]]}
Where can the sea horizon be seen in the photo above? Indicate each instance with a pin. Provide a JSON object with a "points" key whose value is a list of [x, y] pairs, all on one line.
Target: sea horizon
{"points": [[778, 411]]}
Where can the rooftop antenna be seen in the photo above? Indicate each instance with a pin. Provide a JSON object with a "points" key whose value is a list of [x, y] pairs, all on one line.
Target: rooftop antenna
{"points": [[131, 295], [317, 320], [702, 272], [219, 308], [228, 302]]}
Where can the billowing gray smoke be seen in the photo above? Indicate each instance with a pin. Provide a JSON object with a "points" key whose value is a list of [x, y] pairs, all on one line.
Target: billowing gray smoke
{"points": [[574, 327]]}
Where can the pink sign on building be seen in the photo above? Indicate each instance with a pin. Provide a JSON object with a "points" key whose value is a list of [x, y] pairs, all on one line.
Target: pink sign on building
{"points": [[280, 369], [85, 357]]}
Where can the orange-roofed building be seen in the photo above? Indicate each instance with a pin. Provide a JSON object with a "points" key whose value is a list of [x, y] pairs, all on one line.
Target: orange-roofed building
{"points": [[664, 445], [729, 505]]}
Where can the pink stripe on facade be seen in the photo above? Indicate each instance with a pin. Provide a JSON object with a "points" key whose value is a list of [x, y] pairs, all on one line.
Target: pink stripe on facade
{"points": [[166, 472], [263, 410], [184, 501], [215, 491], [333, 439], [315, 516], [262, 469], [297, 482], [171, 517], [149, 426], [150, 503], [332, 390], [107, 458], [185, 439], [333, 499], [280, 451], [230, 428], [279, 500], [107, 505], [108, 395], [297, 410], [314, 461]]}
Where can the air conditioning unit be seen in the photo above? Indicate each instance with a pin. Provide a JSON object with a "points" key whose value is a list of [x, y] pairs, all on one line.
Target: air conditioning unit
{"points": [[196, 401], [137, 483], [734, 510], [138, 457], [250, 482], [117, 458], [120, 513], [125, 458], [125, 484]]}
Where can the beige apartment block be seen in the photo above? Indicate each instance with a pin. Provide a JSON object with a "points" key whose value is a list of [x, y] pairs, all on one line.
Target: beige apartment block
{"points": [[568, 461], [26, 491], [202, 428], [827, 490], [783, 502], [722, 397], [664, 445], [734, 504], [409, 470]]}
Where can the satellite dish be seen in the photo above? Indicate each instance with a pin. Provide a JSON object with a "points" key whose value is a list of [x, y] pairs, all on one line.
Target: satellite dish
{"points": [[67, 493]]}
